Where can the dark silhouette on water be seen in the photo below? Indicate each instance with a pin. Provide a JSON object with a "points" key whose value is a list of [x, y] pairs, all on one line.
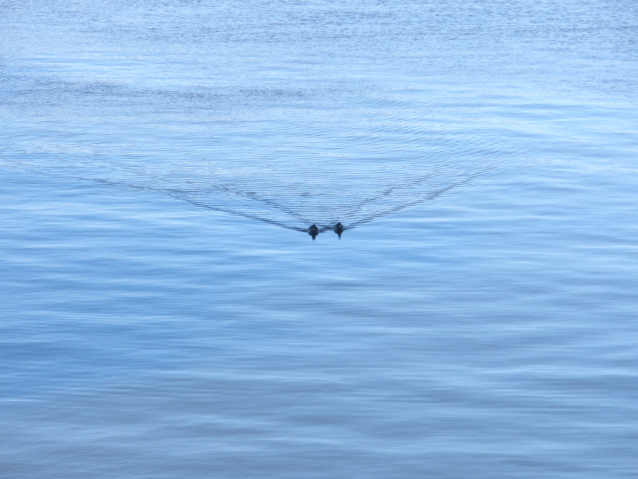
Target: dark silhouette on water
{"points": [[313, 231]]}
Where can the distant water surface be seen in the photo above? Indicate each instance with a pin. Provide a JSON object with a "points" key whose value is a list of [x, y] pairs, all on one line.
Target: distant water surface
{"points": [[165, 314]]}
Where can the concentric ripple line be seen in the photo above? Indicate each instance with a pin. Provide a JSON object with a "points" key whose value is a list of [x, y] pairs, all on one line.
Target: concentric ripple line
{"points": [[219, 198], [351, 194], [430, 197]]}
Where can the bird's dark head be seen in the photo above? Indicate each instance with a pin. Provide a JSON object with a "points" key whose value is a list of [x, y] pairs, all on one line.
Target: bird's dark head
{"points": [[313, 231]]}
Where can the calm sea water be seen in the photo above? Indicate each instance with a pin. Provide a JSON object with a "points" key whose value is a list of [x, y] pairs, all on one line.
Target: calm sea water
{"points": [[164, 312]]}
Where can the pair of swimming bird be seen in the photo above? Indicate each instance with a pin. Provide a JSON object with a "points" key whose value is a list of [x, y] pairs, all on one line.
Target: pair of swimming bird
{"points": [[314, 230]]}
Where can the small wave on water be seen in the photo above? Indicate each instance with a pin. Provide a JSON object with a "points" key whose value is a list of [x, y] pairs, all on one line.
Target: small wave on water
{"points": [[292, 143], [289, 192], [301, 115], [333, 155]]}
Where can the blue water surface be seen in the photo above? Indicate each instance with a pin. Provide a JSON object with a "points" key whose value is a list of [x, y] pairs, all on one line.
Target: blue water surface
{"points": [[164, 312]]}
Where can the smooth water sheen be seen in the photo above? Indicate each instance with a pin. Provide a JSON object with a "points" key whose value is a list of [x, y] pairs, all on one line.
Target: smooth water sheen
{"points": [[477, 319]]}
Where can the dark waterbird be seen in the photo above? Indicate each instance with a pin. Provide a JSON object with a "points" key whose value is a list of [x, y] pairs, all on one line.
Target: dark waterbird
{"points": [[313, 231]]}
